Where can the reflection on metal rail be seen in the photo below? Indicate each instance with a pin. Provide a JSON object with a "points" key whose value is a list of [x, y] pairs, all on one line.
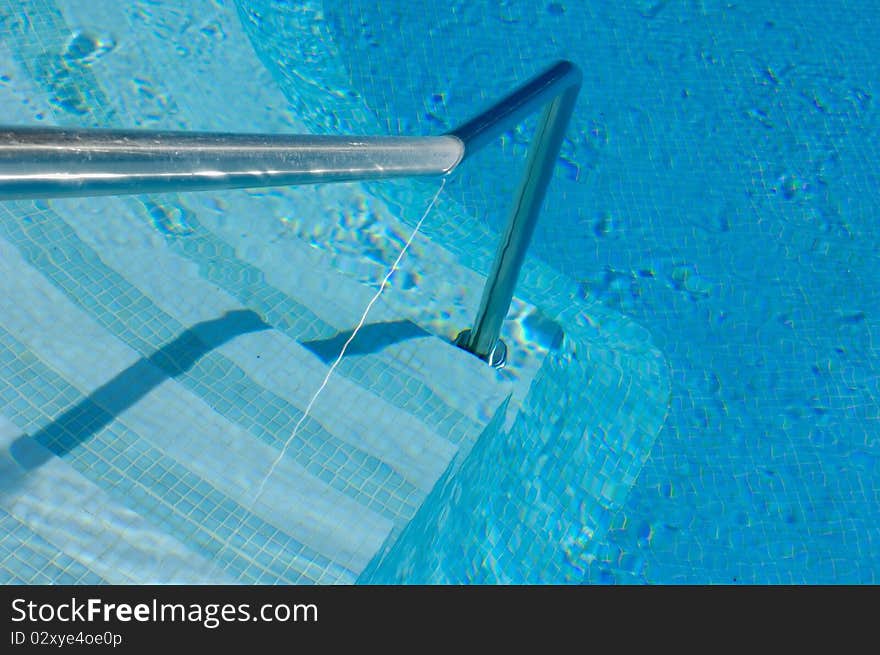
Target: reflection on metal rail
{"points": [[37, 162]]}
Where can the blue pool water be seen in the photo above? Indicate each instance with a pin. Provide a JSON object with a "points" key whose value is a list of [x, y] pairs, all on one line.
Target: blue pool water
{"points": [[719, 186], [707, 247]]}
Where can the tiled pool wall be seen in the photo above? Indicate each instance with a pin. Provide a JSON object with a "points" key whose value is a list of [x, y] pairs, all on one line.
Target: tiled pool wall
{"points": [[532, 505]]}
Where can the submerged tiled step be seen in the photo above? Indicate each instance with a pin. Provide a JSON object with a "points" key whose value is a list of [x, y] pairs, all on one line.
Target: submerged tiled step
{"points": [[256, 228], [327, 513], [105, 538], [390, 356]]}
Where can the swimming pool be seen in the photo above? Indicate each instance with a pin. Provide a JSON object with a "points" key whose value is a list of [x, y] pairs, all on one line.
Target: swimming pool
{"points": [[706, 248]]}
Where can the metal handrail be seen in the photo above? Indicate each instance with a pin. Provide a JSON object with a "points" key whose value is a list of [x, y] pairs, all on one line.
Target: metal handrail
{"points": [[54, 162], [39, 162]]}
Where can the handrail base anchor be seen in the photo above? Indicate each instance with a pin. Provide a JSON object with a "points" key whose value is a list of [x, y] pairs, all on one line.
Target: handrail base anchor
{"points": [[497, 356]]}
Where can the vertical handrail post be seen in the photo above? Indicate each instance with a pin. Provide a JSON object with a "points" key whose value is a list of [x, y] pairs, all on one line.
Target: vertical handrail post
{"points": [[483, 338]]}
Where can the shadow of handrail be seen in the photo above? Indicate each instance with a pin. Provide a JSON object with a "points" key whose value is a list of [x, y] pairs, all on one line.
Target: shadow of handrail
{"points": [[91, 414], [371, 338]]}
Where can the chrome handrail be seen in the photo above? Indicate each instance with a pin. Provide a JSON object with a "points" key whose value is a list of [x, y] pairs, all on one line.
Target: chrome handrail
{"points": [[55, 162], [40, 162]]}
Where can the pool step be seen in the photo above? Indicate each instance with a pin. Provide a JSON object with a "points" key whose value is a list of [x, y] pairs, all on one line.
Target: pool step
{"points": [[391, 363], [353, 477], [109, 540]]}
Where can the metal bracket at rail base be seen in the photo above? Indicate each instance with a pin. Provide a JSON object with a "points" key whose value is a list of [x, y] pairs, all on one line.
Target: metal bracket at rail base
{"points": [[39, 162], [497, 356]]}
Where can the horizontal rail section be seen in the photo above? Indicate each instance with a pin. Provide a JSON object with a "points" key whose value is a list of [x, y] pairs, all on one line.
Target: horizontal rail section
{"points": [[51, 162]]}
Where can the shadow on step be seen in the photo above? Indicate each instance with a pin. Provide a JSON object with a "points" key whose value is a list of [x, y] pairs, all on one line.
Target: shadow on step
{"points": [[372, 338], [87, 417]]}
